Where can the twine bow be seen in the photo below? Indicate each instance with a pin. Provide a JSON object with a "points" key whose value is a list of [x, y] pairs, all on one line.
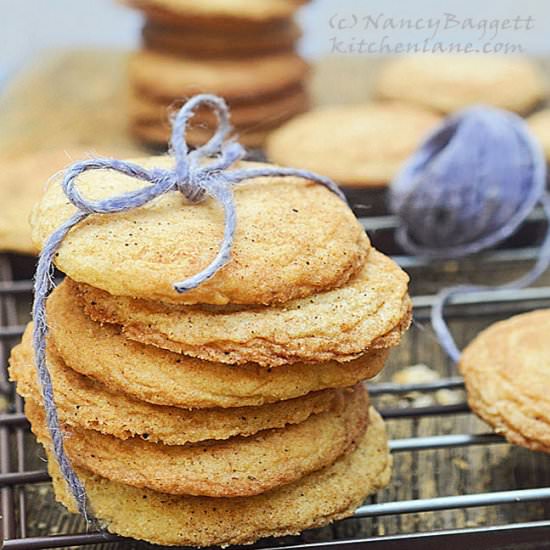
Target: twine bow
{"points": [[197, 174]]}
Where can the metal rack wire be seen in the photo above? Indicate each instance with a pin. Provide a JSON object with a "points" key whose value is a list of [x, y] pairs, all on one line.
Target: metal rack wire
{"points": [[15, 478]]}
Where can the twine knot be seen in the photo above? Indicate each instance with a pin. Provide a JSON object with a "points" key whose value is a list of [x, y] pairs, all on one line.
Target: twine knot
{"points": [[197, 174]]}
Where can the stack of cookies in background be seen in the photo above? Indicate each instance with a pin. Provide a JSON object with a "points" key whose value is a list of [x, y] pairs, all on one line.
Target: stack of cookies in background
{"points": [[242, 51], [233, 411]]}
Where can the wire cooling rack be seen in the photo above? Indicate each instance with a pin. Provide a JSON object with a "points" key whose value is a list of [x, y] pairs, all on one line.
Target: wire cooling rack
{"points": [[520, 502]]}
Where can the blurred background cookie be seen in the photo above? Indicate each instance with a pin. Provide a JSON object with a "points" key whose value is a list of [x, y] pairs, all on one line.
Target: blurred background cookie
{"points": [[243, 51], [447, 83], [356, 145], [506, 370], [218, 14], [22, 183]]}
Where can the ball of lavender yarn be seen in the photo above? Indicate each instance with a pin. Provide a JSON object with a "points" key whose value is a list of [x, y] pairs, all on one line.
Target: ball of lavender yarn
{"points": [[469, 185]]}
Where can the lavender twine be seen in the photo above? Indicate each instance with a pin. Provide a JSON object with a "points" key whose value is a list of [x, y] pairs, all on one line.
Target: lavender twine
{"points": [[197, 174], [469, 186]]}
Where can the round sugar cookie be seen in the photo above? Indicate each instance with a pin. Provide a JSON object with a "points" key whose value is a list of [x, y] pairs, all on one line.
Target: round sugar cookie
{"points": [[255, 115], [84, 403], [293, 238], [23, 181], [239, 466], [539, 124], [313, 501], [360, 145], [506, 371], [370, 312], [448, 83], [198, 43], [164, 76], [157, 376]]}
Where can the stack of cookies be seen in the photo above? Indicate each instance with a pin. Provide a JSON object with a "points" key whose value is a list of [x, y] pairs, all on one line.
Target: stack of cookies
{"points": [[233, 411], [242, 51]]}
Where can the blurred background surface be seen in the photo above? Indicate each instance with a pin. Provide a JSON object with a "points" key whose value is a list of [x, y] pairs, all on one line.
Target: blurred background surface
{"points": [[29, 26]]}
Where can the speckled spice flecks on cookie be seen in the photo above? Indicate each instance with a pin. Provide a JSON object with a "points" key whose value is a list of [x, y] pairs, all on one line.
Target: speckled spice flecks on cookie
{"points": [[157, 134], [506, 370], [84, 403], [166, 76], [162, 377], [315, 500], [360, 145], [293, 238], [239, 466], [368, 313], [447, 83], [197, 41]]}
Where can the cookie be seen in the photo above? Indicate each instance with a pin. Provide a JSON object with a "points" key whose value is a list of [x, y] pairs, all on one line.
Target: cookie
{"points": [[217, 14], [539, 124], [196, 42], [85, 403], [254, 115], [158, 376], [157, 135], [315, 500], [370, 312], [293, 238], [447, 83], [356, 145], [506, 370], [167, 77], [240, 466]]}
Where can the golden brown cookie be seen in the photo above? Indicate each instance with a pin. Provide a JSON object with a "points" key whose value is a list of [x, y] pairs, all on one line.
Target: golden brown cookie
{"points": [[506, 371], [240, 466], [256, 115], [315, 500], [447, 83], [356, 145], [158, 134], [370, 312], [158, 376], [539, 124], [85, 403], [293, 238], [217, 14], [167, 77], [198, 42]]}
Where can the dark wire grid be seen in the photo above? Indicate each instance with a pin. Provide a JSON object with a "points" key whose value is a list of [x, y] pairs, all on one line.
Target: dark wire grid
{"points": [[13, 425]]}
